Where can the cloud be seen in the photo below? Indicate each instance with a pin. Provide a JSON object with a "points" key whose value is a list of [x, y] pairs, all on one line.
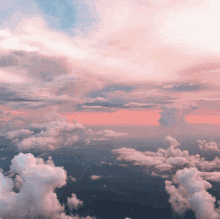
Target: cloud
{"points": [[23, 133], [191, 194], [52, 132], [111, 133], [4, 114], [35, 183], [51, 135], [73, 202], [95, 177], [172, 141], [12, 123], [212, 146], [165, 162], [73, 179], [185, 87], [135, 104], [174, 114], [211, 176]]}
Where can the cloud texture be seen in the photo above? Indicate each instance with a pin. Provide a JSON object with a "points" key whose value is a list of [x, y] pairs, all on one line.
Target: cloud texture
{"points": [[35, 183]]}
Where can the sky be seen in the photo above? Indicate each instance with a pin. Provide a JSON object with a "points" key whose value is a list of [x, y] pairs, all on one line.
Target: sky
{"points": [[120, 76]]}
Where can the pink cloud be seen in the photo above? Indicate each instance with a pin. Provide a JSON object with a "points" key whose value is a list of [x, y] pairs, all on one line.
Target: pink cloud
{"points": [[95, 177], [35, 184], [73, 202], [212, 146], [111, 133], [166, 162], [53, 135], [191, 194]]}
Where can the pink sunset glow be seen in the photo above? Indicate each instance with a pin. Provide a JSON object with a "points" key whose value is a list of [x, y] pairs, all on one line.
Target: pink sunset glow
{"points": [[121, 117], [114, 76]]}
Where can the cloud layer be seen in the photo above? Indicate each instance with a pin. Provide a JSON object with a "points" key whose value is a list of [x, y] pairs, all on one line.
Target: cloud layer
{"points": [[189, 172]]}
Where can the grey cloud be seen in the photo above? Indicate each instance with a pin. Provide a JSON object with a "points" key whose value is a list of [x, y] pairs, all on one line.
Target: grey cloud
{"points": [[185, 87], [115, 87], [6, 93], [38, 66], [111, 88], [122, 104], [3, 114], [44, 68], [22, 100], [169, 117], [14, 93], [104, 104], [7, 61], [175, 115]]}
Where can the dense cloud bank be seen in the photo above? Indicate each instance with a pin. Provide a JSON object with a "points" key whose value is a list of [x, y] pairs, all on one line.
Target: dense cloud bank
{"points": [[56, 133]]}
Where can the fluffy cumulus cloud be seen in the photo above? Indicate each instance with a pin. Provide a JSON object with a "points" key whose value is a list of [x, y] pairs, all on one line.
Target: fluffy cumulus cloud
{"points": [[52, 135], [172, 141], [189, 173], [54, 132], [191, 193], [174, 114], [23, 133], [34, 184], [73, 202], [166, 162], [209, 145]]}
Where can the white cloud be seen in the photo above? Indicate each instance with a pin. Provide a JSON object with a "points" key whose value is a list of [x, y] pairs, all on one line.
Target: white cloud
{"points": [[35, 183], [191, 194], [52, 135]]}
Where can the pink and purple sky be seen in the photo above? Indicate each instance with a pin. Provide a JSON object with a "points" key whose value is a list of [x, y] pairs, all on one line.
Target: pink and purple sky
{"points": [[119, 63], [98, 70]]}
